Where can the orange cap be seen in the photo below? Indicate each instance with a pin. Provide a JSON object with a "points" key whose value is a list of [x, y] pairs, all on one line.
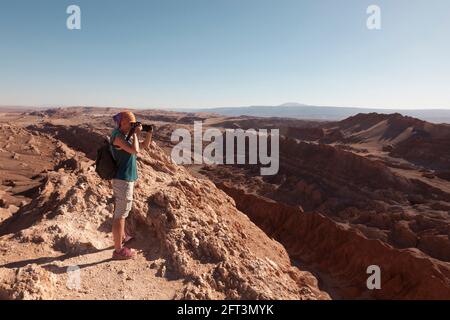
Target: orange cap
{"points": [[127, 116]]}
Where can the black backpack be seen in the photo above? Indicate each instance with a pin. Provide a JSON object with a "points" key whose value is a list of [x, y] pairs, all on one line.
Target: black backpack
{"points": [[105, 164]]}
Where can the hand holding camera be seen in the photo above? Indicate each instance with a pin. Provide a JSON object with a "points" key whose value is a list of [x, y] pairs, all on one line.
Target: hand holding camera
{"points": [[138, 127], [143, 127]]}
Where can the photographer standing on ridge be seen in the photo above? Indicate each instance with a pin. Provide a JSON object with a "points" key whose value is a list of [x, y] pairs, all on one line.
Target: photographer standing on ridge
{"points": [[125, 147]]}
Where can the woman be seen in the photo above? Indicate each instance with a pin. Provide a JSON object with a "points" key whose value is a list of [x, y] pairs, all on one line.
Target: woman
{"points": [[125, 153]]}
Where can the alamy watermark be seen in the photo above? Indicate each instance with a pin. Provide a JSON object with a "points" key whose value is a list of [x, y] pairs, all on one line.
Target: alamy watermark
{"points": [[74, 20], [374, 19], [374, 280], [241, 147], [73, 278]]}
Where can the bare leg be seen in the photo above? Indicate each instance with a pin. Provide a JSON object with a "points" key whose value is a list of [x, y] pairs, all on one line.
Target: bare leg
{"points": [[118, 230]]}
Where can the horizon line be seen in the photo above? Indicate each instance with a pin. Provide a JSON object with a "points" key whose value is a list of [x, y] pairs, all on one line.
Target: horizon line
{"points": [[283, 105]]}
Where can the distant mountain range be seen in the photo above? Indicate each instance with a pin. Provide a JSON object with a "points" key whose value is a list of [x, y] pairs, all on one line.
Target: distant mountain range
{"points": [[301, 111], [293, 110]]}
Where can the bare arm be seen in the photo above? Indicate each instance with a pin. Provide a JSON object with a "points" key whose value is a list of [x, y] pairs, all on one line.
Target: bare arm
{"points": [[148, 139], [133, 148]]}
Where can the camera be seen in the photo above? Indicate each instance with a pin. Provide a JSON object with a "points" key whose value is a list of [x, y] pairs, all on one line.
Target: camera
{"points": [[134, 125], [145, 127]]}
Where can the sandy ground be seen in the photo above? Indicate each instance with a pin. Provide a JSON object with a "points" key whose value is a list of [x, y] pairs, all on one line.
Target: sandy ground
{"points": [[100, 276]]}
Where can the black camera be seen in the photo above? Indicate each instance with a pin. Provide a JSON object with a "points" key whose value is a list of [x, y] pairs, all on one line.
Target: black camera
{"points": [[145, 127], [134, 125]]}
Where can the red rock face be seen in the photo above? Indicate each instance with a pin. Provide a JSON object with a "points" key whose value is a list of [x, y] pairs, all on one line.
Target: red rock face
{"points": [[307, 134], [425, 150], [417, 141], [387, 210], [342, 255]]}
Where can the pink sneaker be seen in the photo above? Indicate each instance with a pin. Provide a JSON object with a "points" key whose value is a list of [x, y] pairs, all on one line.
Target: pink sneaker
{"points": [[124, 254]]}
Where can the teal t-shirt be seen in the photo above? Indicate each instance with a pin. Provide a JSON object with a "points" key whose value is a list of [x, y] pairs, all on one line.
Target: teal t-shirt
{"points": [[126, 162]]}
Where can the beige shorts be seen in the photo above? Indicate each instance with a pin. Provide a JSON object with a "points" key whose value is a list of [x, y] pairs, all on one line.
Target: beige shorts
{"points": [[123, 194]]}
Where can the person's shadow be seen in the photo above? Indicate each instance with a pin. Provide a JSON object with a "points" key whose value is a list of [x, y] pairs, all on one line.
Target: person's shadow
{"points": [[47, 262]]}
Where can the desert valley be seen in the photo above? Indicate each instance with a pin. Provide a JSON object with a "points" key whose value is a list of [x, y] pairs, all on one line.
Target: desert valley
{"points": [[371, 189]]}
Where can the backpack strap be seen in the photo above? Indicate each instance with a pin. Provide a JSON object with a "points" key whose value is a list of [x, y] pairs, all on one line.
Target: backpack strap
{"points": [[111, 148]]}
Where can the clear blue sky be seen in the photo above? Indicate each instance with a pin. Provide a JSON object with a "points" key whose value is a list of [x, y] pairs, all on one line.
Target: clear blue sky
{"points": [[208, 53]]}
